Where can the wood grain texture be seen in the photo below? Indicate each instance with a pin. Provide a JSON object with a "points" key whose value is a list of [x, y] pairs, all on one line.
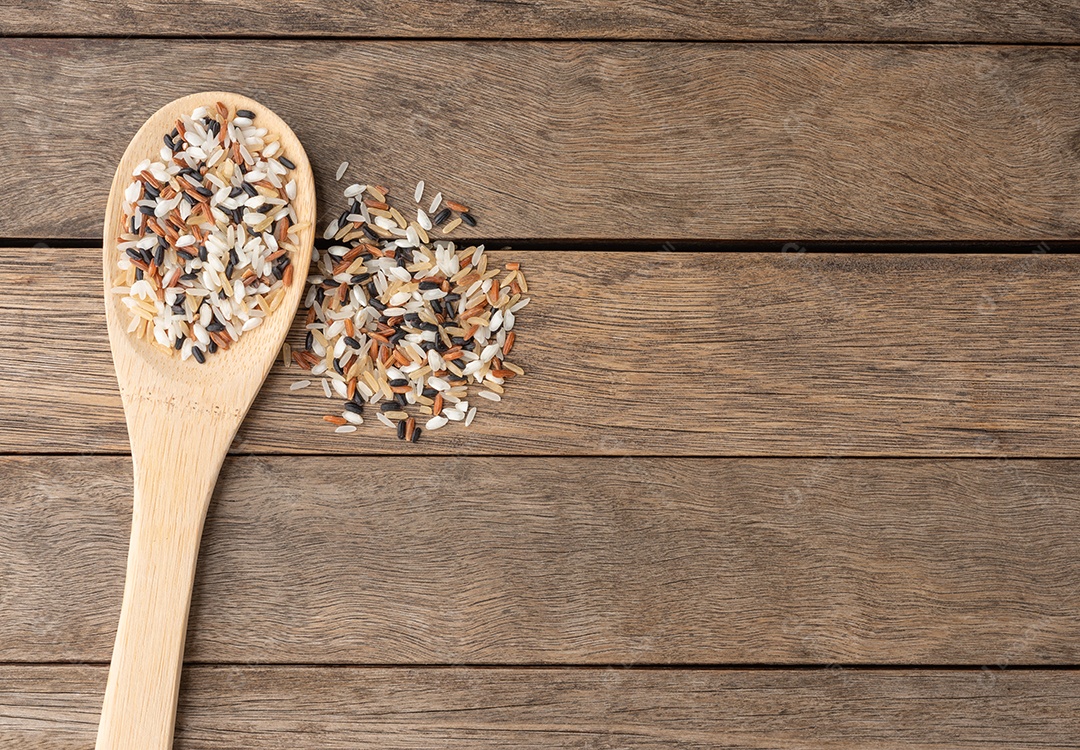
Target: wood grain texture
{"points": [[260, 708], [1044, 21], [653, 353], [569, 561], [594, 140]]}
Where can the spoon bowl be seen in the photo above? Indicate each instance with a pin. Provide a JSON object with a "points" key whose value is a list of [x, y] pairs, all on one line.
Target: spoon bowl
{"points": [[182, 417]]}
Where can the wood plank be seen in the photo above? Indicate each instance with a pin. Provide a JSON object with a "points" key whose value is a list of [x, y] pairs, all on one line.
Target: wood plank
{"points": [[1041, 21], [281, 708], [593, 140], [569, 561], [653, 353]]}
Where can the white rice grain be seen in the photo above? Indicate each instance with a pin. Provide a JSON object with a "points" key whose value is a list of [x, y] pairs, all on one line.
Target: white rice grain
{"points": [[423, 219]]}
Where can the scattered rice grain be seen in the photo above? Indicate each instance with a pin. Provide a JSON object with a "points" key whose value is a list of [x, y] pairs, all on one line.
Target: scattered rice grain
{"points": [[404, 322]]}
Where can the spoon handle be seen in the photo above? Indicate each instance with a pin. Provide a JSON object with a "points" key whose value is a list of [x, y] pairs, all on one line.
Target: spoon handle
{"points": [[172, 492]]}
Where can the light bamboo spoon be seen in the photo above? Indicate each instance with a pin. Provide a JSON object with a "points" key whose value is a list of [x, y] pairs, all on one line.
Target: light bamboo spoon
{"points": [[181, 419]]}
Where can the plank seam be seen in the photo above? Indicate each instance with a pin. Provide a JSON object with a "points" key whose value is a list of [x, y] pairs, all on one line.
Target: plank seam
{"points": [[327, 39], [953, 247], [552, 666], [854, 457]]}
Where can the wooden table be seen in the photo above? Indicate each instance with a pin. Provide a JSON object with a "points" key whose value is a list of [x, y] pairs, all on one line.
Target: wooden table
{"points": [[769, 482]]}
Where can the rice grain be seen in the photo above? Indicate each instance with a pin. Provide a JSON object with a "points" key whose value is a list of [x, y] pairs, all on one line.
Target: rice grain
{"points": [[405, 323], [208, 234]]}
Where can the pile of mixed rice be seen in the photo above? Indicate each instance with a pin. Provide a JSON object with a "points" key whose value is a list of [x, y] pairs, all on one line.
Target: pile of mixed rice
{"points": [[208, 233], [404, 323]]}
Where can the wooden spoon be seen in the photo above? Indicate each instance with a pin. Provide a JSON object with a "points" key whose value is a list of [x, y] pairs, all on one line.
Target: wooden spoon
{"points": [[181, 419]]}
